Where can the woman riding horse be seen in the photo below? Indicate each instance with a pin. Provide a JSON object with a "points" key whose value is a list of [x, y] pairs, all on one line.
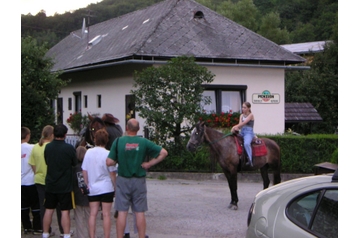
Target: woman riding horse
{"points": [[224, 149]]}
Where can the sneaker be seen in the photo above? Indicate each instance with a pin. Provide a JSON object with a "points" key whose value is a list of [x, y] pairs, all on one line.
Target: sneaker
{"points": [[51, 234], [27, 231], [126, 235], [37, 232], [71, 233]]}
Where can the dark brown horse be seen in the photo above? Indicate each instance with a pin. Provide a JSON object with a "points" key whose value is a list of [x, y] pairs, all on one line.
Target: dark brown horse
{"points": [[224, 149], [109, 122]]}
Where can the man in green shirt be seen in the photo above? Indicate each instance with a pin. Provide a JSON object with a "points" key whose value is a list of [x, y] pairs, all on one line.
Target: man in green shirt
{"points": [[130, 152]]}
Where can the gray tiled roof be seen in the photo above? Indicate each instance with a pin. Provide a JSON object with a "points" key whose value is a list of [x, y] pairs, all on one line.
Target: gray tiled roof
{"points": [[301, 112], [169, 29]]}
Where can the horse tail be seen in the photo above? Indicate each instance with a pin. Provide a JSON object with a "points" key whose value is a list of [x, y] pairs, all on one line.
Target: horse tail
{"points": [[274, 159]]}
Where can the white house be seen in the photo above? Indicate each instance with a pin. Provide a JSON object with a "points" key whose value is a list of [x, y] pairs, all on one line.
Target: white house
{"points": [[248, 67]]}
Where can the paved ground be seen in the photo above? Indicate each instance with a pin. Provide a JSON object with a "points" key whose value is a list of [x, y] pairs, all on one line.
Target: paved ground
{"points": [[190, 208]]}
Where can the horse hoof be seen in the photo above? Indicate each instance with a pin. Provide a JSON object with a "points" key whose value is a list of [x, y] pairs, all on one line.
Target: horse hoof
{"points": [[233, 207]]}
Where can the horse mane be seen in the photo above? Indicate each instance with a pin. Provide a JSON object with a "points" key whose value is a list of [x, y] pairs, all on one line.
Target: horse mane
{"points": [[97, 119], [213, 136], [212, 133], [108, 118]]}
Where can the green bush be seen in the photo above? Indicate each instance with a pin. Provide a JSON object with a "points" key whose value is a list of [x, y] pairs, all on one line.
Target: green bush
{"points": [[299, 154], [334, 158], [179, 159]]}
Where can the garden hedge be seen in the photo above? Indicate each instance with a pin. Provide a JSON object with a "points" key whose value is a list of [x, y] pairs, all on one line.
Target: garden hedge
{"points": [[299, 154]]}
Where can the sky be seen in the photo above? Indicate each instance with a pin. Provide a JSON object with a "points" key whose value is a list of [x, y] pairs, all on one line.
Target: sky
{"points": [[51, 6]]}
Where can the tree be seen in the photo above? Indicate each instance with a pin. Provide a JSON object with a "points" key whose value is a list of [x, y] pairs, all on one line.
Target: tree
{"points": [[169, 97], [39, 86], [318, 86], [270, 29], [243, 12]]}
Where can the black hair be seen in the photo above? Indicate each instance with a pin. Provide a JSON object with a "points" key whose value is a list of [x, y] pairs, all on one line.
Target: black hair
{"points": [[60, 131]]}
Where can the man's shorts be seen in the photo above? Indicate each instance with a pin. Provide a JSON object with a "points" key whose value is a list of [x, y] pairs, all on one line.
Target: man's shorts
{"points": [[66, 200], [105, 197], [131, 192], [29, 197]]}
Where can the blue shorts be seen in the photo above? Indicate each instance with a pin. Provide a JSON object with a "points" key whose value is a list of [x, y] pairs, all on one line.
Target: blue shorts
{"points": [[131, 192]]}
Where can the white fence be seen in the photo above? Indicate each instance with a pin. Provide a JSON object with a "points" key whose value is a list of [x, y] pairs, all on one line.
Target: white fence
{"points": [[72, 139]]}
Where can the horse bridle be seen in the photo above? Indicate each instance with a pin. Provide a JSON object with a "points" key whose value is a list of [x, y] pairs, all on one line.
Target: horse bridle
{"points": [[213, 142], [92, 131]]}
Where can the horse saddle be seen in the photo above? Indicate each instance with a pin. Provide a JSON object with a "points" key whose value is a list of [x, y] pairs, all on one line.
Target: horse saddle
{"points": [[258, 146]]}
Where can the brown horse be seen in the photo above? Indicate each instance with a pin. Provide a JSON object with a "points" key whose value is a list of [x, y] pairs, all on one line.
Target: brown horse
{"points": [[224, 149], [109, 122]]}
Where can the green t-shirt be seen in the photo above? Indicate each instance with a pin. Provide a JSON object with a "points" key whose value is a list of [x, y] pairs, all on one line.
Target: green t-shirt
{"points": [[130, 152]]}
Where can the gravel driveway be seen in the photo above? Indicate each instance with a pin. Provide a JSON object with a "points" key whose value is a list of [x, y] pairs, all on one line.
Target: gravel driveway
{"points": [[180, 208]]}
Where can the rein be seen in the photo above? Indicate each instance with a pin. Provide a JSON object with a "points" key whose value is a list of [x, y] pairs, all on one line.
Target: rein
{"points": [[226, 135]]}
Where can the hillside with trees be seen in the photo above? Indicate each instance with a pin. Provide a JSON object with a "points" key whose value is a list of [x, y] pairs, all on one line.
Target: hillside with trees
{"points": [[281, 21]]}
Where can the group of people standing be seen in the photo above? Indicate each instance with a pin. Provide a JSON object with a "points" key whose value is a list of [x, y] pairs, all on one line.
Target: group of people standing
{"points": [[50, 172], [116, 173]]}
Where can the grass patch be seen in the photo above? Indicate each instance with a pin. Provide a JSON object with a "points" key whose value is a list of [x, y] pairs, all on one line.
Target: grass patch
{"points": [[162, 177]]}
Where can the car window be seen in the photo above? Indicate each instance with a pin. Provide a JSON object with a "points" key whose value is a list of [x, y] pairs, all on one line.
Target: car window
{"points": [[301, 209], [316, 213], [326, 219]]}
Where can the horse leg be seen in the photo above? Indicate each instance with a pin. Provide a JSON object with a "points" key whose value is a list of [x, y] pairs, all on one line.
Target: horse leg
{"points": [[276, 176], [264, 175], [232, 181]]}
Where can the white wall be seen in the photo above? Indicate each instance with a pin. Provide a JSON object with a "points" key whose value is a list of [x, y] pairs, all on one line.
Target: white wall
{"points": [[116, 82], [269, 118], [111, 86]]}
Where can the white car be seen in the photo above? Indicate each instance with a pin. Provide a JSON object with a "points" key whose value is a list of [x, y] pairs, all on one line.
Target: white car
{"points": [[304, 207]]}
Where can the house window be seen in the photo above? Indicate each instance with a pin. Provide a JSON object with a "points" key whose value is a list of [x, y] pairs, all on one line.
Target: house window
{"points": [[78, 101], [59, 110], [85, 101], [69, 103], [224, 98], [99, 101], [130, 105]]}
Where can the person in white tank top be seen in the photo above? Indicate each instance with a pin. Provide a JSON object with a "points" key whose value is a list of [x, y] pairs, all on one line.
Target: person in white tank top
{"points": [[246, 127]]}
